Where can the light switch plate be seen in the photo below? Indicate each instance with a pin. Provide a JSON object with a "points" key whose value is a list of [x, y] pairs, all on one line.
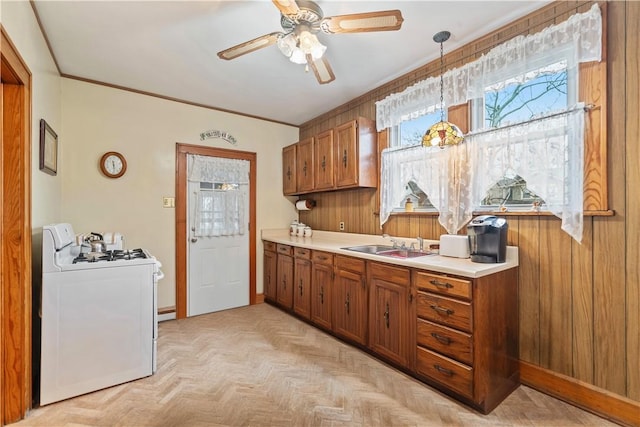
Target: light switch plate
{"points": [[168, 202]]}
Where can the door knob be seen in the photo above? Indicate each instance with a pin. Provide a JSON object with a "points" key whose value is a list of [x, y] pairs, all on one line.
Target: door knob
{"points": [[194, 239]]}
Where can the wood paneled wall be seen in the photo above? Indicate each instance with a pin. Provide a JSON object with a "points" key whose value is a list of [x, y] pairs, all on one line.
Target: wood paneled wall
{"points": [[579, 303]]}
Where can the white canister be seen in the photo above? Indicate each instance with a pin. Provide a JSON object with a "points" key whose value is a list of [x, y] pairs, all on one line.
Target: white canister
{"points": [[293, 228], [308, 231], [300, 230]]}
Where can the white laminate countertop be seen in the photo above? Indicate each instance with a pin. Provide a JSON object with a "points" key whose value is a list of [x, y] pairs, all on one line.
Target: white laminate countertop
{"points": [[335, 242]]}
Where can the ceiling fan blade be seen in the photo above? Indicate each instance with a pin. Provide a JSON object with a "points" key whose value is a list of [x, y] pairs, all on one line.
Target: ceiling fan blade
{"points": [[287, 7], [384, 20], [250, 46], [321, 69]]}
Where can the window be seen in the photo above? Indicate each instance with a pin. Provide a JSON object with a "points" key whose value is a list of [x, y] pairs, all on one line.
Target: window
{"points": [[410, 132], [528, 128], [518, 99], [521, 98]]}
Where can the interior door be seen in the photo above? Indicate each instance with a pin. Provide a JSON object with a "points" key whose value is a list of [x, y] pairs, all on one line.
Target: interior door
{"points": [[218, 265]]}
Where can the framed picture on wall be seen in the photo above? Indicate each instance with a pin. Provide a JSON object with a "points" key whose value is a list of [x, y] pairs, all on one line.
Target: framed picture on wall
{"points": [[48, 149]]}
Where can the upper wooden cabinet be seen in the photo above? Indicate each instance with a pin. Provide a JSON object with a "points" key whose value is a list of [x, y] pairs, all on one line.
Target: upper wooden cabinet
{"points": [[324, 173], [289, 183], [339, 158], [304, 165], [356, 157]]}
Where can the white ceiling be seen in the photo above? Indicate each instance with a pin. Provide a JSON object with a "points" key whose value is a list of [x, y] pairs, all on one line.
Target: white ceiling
{"points": [[169, 48]]}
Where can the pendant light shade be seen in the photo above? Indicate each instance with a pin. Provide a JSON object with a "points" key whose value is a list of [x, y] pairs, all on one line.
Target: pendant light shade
{"points": [[442, 133]]}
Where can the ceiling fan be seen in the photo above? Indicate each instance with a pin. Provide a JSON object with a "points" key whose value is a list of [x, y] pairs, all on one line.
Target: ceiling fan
{"points": [[300, 21]]}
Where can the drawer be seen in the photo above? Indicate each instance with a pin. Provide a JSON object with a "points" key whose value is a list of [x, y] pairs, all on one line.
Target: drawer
{"points": [[303, 253], [284, 249], [443, 285], [349, 263], [269, 246], [445, 311], [397, 275], [455, 376], [320, 257], [455, 344]]}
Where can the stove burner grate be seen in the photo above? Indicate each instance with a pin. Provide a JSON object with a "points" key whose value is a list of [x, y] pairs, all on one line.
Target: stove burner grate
{"points": [[112, 255]]}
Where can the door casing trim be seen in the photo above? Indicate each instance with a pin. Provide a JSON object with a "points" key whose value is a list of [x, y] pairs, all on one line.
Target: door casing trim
{"points": [[181, 217]]}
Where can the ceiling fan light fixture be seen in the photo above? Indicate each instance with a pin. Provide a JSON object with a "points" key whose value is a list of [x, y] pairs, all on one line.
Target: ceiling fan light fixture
{"points": [[298, 56], [287, 44]]}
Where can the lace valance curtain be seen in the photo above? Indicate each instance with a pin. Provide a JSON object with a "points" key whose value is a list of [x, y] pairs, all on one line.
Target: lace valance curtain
{"points": [[219, 205], [577, 39]]}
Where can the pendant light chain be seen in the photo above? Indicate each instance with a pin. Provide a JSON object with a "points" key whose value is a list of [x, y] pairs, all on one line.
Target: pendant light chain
{"points": [[441, 82]]}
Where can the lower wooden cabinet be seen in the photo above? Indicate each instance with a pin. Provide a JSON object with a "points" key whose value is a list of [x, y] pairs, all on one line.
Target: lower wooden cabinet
{"points": [[321, 288], [459, 335], [467, 335], [284, 292], [270, 270], [390, 320], [302, 282], [350, 302]]}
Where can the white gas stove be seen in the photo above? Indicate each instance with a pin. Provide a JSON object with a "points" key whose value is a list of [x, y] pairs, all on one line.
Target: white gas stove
{"points": [[98, 315]]}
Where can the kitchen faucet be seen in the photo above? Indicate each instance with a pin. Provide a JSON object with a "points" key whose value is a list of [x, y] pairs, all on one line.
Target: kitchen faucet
{"points": [[396, 242]]}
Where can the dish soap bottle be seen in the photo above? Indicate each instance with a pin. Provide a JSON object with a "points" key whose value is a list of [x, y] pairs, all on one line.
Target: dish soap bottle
{"points": [[408, 205]]}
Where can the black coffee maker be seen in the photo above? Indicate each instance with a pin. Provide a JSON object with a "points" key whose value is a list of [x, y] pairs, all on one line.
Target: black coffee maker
{"points": [[488, 239]]}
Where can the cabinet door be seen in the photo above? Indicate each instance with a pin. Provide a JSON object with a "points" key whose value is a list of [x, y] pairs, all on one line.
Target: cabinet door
{"points": [[284, 293], [302, 288], [346, 155], [289, 185], [389, 320], [270, 279], [350, 306], [304, 165], [321, 287], [324, 174]]}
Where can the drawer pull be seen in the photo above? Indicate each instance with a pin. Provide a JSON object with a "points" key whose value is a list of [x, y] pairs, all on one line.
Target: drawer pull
{"points": [[323, 258], [447, 372], [440, 284], [442, 310], [442, 339]]}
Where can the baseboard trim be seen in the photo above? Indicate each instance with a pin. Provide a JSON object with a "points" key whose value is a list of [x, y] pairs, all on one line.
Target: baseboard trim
{"points": [[259, 298], [600, 402], [166, 313]]}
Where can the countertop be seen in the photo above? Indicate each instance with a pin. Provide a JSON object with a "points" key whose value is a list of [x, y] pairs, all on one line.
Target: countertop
{"points": [[335, 242]]}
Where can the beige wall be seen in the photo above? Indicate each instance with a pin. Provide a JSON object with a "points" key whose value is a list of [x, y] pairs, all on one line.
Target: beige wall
{"points": [[145, 129], [20, 24]]}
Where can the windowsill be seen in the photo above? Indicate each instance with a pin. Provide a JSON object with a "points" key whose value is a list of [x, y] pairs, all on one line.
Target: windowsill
{"points": [[500, 213]]}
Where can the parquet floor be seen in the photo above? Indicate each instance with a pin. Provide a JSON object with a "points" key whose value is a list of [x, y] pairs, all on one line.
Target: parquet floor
{"points": [[257, 366]]}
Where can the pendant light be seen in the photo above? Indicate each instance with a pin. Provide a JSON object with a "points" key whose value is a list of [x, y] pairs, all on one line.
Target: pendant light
{"points": [[442, 133]]}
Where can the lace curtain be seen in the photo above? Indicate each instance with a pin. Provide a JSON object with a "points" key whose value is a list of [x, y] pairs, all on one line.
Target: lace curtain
{"points": [[577, 39], [219, 208], [442, 174], [547, 152]]}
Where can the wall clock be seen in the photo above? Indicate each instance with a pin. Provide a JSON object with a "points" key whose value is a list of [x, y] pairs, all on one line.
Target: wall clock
{"points": [[113, 164]]}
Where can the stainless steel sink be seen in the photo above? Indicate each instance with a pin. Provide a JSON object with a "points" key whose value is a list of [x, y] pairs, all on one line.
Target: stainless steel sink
{"points": [[404, 253], [389, 251], [369, 249]]}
